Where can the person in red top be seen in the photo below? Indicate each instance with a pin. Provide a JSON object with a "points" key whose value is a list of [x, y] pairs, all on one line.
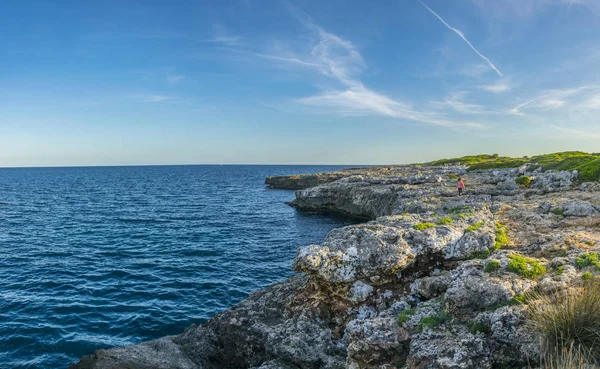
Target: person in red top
{"points": [[460, 185]]}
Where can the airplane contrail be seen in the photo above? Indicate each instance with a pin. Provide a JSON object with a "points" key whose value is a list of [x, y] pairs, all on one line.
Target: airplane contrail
{"points": [[459, 33]]}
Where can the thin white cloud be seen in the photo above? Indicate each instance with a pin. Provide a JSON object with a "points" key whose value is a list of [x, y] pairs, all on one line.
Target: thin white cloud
{"points": [[340, 60], [225, 40], [457, 103], [151, 98], [496, 88], [557, 98], [175, 78], [461, 35], [287, 59]]}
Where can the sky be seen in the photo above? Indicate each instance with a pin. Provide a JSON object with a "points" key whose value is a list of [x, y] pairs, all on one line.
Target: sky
{"points": [[123, 82]]}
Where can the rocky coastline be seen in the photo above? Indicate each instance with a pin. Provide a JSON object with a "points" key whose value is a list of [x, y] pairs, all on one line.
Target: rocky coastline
{"points": [[429, 280]]}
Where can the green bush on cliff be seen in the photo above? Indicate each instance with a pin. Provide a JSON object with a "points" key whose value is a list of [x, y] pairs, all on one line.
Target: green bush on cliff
{"points": [[589, 172], [587, 259], [587, 276], [492, 266], [458, 209], [523, 181], [473, 227], [423, 226], [405, 316], [501, 236], [525, 267], [559, 212], [446, 220], [434, 321]]}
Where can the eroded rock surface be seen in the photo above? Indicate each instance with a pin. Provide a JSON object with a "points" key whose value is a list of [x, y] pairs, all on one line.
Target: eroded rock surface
{"points": [[427, 282]]}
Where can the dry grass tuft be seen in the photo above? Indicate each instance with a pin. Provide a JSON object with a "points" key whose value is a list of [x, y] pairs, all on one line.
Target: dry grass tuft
{"points": [[569, 323]]}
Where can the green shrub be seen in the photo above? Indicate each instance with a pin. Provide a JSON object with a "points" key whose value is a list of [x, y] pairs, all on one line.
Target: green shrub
{"points": [[478, 328], [492, 266], [433, 321], [587, 276], [473, 227], [519, 299], [523, 181], [446, 220], [587, 259], [589, 172], [458, 209], [481, 255], [525, 267], [588, 165], [405, 316], [560, 270], [452, 176], [568, 318], [501, 236], [557, 212], [423, 226]]}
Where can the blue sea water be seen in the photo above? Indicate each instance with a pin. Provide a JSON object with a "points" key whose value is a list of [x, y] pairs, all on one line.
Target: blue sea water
{"points": [[107, 256]]}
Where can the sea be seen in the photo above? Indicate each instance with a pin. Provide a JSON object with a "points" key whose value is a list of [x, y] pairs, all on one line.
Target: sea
{"points": [[96, 257]]}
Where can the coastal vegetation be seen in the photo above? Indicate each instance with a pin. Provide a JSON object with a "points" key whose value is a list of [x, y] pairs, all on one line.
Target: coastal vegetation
{"points": [[423, 226], [588, 165], [568, 322], [525, 267], [523, 181], [587, 259]]}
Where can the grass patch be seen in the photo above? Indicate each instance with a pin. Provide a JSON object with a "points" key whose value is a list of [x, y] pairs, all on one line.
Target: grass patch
{"points": [[473, 227], [404, 316], [501, 236], [523, 181], [492, 266], [458, 209], [452, 176], [559, 212], [525, 267], [434, 321], [569, 319], [560, 270], [587, 276], [423, 226], [446, 220], [587, 259], [519, 299]]}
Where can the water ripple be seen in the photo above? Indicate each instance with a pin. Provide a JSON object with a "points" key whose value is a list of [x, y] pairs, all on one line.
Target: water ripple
{"points": [[98, 257]]}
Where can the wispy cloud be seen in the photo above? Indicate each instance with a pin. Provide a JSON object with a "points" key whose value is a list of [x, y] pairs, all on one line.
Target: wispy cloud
{"points": [[496, 88], [225, 40], [558, 98], [287, 59], [362, 101], [457, 103], [340, 60], [175, 78], [461, 35], [151, 98]]}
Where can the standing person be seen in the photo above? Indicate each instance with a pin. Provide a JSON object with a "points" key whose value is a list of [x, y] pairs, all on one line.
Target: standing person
{"points": [[460, 185], [440, 180]]}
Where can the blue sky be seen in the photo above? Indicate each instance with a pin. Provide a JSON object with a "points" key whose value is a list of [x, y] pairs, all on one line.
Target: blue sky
{"points": [[259, 81]]}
